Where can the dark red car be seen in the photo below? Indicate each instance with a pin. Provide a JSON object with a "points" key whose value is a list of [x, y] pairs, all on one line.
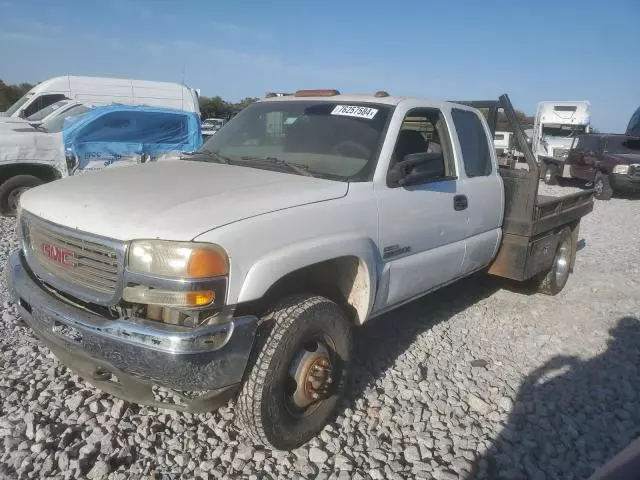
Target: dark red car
{"points": [[610, 162]]}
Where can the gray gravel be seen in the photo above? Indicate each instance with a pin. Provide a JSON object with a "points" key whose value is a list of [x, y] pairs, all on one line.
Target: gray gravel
{"points": [[478, 380]]}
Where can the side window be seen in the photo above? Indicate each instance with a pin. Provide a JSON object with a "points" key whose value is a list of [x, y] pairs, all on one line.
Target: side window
{"points": [[473, 143], [136, 127], [424, 131], [588, 144], [41, 102]]}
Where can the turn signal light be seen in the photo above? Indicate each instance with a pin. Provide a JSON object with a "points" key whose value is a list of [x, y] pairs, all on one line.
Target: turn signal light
{"points": [[168, 298]]}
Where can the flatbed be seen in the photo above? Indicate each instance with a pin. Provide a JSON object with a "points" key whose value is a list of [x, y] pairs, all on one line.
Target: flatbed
{"points": [[533, 223]]}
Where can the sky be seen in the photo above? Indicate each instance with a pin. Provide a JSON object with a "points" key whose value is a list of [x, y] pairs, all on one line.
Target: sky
{"points": [[449, 49]]}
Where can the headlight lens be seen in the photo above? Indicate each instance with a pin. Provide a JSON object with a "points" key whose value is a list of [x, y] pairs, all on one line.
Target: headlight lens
{"points": [[178, 259], [621, 169]]}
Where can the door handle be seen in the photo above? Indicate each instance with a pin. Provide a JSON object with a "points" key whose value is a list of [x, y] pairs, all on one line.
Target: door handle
{"points": [[460, 202]]}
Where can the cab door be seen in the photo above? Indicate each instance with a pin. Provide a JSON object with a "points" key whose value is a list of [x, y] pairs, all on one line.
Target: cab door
{"points": [[422, 227], [585, 161], [482, 186]]}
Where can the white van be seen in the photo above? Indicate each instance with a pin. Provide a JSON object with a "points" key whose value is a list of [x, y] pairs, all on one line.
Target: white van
{"points": [[94, 91]]}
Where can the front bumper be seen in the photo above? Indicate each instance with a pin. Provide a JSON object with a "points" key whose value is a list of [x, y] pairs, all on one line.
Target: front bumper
{"points": [[624, 183], [138, 360]]}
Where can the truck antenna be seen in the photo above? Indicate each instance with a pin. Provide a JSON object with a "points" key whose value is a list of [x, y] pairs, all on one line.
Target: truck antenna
{"points": [[182, 89]]}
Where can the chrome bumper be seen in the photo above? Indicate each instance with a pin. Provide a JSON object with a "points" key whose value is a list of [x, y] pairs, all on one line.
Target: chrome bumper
{"points": [[132, 358]]}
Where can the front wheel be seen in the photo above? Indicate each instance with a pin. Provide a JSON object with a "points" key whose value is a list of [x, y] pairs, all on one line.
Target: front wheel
{"points": [[295, 382], [602, 186], [11, 190]]}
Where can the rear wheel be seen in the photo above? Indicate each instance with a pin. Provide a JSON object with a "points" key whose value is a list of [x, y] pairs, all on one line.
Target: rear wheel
{"points": [[298, 372], [554, 280], [602, 186], [550, 174], [12, 189]]}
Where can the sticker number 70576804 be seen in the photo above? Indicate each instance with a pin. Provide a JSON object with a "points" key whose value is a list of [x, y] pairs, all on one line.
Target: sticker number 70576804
{"points": [[355, 111]]}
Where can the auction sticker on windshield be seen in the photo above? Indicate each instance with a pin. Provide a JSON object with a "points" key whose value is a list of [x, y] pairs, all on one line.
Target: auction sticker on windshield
{"points": [[355, 111]]}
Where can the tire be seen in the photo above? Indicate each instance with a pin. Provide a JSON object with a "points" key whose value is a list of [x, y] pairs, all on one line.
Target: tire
{"points": [[550, 175], [11, 190], [602, 186], [266, 407], [554, 280]]}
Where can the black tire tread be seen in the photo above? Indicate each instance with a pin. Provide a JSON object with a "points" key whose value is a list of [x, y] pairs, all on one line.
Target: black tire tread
{"points": [[13, 182], [545, 282], [274, 326], [607, 190]]}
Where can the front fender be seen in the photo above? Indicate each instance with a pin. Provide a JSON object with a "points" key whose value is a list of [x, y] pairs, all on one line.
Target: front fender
{"points": [[276, 264]]}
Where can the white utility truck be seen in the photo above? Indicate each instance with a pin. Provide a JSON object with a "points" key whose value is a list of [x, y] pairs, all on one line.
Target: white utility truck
{"points": [[94, 91], [556, 125], [244, 270]]}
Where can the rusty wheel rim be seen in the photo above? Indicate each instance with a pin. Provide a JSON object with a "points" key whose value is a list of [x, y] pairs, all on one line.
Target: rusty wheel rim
{"points": [[310, 377]]}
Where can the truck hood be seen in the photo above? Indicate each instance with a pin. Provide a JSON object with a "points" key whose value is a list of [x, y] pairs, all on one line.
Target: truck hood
{"points": [[30, 146], [626, 158], [174, 200]]}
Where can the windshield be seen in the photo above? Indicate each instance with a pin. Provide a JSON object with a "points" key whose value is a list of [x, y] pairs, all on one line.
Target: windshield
{"points": [[634, 124], [55, 125], [319, 138], [16, 106], [563, 131], [40, 114]]}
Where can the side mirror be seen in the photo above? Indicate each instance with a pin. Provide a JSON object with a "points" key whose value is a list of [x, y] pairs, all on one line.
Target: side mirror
{"points": [[416, 168], [21, 114]]}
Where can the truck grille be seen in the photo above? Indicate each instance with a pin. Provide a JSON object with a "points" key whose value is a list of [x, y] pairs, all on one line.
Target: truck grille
{"points": [[72, 262], [634, 171], [560, 153]]}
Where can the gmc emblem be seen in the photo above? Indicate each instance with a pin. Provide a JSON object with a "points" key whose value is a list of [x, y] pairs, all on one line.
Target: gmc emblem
{"points": [[59, 255]]}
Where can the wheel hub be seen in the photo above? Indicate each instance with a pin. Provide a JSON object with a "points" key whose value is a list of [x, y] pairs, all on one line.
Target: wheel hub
{"points": [[563, 261], [14, 197], [312, 375]]}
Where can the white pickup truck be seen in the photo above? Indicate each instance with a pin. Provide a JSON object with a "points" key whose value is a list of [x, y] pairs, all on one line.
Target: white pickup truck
{"points": [[244, 270]]}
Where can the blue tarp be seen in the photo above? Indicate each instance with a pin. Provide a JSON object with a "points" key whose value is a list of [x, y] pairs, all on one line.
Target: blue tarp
{"points": [[115, 133]]}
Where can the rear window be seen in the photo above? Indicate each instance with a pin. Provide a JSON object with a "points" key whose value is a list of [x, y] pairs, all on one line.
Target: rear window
{"points": [[588, 144], [473, 143], [498, 136]]}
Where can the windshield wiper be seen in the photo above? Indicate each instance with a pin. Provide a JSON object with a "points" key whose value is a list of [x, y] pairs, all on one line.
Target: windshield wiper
{"points": [[298, 168], [210, 154]]}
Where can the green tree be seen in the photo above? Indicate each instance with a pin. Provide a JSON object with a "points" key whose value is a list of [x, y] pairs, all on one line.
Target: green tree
{"points": [[10, 93]]}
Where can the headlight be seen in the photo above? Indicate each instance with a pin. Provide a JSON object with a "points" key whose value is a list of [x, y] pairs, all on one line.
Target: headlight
{"points": [[621, 169], [186, 260], [195, 262]]}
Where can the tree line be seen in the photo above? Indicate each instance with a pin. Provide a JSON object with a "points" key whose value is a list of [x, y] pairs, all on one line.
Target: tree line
{"points": [[9, 94], [216, 107]]}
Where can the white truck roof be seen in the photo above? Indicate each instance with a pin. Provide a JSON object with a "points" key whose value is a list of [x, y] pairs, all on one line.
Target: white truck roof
{"points": [[362, 98]]}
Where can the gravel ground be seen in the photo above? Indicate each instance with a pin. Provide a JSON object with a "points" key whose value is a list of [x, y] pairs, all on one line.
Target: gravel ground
{"points": [[480, 380]]}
